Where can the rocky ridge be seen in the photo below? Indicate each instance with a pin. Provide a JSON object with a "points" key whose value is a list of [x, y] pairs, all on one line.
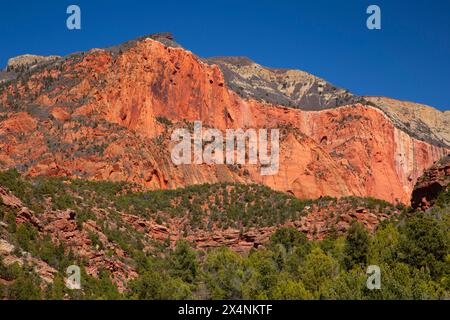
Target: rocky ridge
{"points": [[290, 88], [423, 122]]}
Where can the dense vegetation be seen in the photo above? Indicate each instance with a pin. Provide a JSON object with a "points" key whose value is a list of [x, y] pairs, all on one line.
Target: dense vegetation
{"points": [[227, 204], [412, 250]]}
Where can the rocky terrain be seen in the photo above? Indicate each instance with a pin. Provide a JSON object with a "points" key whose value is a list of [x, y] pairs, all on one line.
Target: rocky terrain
{"points": [[108, 114], [107, 226], [28, 61], [418, 120], [48, 223], [21, 63], [86, 178], [291, 88], [434, 182]]}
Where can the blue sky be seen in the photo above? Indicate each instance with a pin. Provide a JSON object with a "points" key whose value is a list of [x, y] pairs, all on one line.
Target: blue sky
{"points": [[408, 59]]}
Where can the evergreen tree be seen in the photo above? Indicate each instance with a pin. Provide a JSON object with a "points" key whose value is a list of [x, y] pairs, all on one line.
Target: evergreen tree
{"points": [[224, 274], [183, 262], [357, 246]]}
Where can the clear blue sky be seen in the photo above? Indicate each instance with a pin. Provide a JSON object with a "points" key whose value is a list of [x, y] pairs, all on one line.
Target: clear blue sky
{"points": [[408, 59]]}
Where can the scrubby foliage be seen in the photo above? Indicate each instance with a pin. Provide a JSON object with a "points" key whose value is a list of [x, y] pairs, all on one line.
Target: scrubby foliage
{"points": [[224, 204], [412, 251], [291, 267]]}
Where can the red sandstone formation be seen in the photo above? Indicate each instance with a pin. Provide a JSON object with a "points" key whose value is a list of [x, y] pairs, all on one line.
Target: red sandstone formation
{"points": [[428, 187], [95, 116]]}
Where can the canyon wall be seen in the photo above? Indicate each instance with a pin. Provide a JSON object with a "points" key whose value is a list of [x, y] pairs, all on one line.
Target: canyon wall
{"points": [[109, 113]]}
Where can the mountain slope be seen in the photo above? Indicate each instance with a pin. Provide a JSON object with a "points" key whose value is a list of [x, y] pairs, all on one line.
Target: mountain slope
{"points": [[109, 114], [290, 88], [420, 121]]}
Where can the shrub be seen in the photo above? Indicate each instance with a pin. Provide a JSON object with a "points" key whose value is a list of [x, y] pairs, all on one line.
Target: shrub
{"points": [[357, 246]]}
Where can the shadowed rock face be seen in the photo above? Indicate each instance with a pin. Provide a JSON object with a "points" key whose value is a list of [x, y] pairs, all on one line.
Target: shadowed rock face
{"points": [[97, 115], [428, 187], [290, 88], [6, 76]]}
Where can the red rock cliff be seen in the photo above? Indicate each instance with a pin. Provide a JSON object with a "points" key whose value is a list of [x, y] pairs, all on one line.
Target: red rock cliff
{"points": [[95, 116]]}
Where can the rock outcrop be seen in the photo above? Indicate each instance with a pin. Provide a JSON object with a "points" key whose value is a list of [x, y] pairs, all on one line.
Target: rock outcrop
{"points": [[61, 226], [28, 60], [418, 120], [291, 88], [319, 222], [428, 187], [9, 254]]}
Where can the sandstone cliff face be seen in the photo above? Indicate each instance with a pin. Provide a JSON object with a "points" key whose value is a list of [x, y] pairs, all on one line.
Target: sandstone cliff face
{"points": [[97, 116]]}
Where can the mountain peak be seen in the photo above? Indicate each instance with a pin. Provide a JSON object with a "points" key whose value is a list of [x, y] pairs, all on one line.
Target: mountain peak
{"points": [[165, 38]]}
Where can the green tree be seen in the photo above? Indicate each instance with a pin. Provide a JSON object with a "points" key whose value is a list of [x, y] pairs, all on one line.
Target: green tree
{"points": [[183, 262], [224, 274], [356, 246], [289, 247], [423, 243], [318, 269], [25, 286], [402, 282], [384, 244], [157, 285], [348, 285], [261, 275], [288, 238], [290, 289], [56, 290], [25, 234], [96, 288]]}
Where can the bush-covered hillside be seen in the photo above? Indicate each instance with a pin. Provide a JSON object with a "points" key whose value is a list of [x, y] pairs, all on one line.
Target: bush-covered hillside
{"points": [[412, 249]]}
